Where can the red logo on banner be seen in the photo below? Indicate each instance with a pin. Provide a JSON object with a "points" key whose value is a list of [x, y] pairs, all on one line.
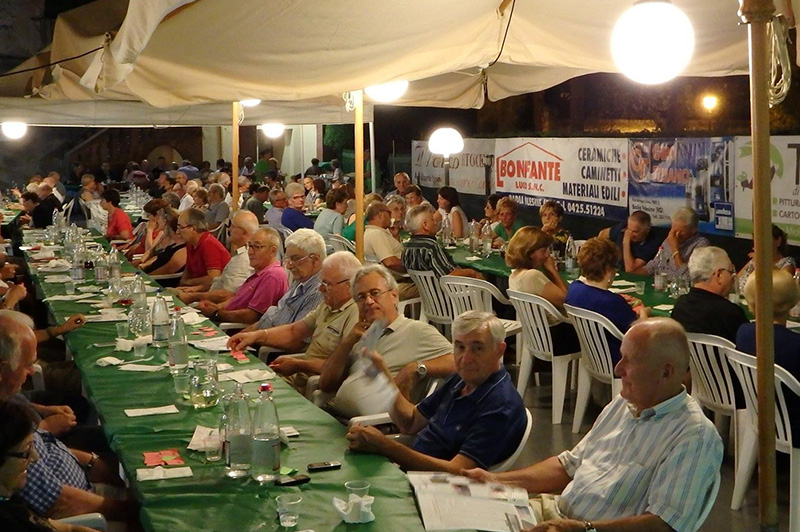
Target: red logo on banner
{"points": [[541, 165]]}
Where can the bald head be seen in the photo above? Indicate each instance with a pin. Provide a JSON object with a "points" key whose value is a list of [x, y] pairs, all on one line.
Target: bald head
{"points": [[664, 340], [17, 354]]}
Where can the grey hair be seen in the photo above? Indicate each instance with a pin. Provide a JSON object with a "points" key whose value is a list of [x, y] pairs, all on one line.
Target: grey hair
{"points": [[414, 217], [191, 186], [785, 293], [294, 188], [272, 235], [274, 194], [687, 216], [372, 268], [472, 320], [309, 241], [18, 317], [665, 340], [196, 218], [44, 186], [397, 198], [217, 189], [343, 261], [705, 261], [246, 220], [10, 340]]}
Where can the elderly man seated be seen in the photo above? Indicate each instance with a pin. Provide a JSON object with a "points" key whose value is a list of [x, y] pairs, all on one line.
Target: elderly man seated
{"points": [[305, 251], [651, 458], [412, 350], [205, 256], [706, 308], [218, 211], [456, 426], [636, 242], [380, 244], [59, 483], [326, 325], [243, 226], [423, 251], [261, 290], [682, 240]]}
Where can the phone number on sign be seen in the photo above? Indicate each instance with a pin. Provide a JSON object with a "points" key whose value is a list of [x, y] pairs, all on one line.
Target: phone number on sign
{"points": [[586, 209]]}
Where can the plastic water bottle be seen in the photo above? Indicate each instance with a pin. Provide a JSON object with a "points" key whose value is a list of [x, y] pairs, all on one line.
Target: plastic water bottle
{"points": [[101, 268], [795, 310], [114, 265], [159, 318], [77, 272], [659, 281], [139, 291], [178, 355], [474, 236], [238, 435], [570, 256], [487, 237], [446, 231], [266, 452]]}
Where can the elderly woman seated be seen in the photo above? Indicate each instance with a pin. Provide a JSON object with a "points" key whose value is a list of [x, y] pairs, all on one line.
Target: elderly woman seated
{"points": [[597, 259], [507, 216]]}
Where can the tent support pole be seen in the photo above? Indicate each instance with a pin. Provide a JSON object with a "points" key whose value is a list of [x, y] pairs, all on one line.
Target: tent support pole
{"points": [[358, 101], [757, 14], [235, 155], [373, 177]]}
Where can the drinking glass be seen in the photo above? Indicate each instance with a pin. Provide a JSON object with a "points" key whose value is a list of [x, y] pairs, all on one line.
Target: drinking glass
{"points": [[357, 487], [203, 392], [288, 509]]}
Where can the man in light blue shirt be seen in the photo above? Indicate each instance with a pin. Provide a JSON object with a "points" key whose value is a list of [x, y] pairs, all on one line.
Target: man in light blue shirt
{"points": [[650, 461]]}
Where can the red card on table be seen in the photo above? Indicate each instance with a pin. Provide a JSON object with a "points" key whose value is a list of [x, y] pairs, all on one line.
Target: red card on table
{"points": [[166, 457]]}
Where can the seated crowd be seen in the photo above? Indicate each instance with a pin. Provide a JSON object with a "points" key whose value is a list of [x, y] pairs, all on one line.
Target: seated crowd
{"points": [[269, 269]]}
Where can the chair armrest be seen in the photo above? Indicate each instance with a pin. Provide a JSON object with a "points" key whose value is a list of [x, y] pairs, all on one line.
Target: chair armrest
{"points": [[312, 386], [371, 420], [230, 325], [93, 520], [320, 398]]}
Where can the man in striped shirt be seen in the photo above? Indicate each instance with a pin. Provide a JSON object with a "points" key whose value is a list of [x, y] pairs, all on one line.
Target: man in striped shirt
{"points": [[650, 460], [423, 252]]}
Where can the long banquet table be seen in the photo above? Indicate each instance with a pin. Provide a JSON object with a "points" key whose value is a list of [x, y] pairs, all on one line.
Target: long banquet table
{"points": [[208, 500]]}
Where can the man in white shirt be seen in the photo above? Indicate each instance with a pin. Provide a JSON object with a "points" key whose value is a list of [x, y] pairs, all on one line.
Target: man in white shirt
{"points": [[185, 192], [380, 245]]}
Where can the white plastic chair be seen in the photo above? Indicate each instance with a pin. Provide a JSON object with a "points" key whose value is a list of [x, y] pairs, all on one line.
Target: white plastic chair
{"points": [[713, 386], [596, 361], [436, 306], [37, 379], [340, 243], [221, 233], [94, 521], [745, 367], [508, 463], [285, 232], [533, 312]]}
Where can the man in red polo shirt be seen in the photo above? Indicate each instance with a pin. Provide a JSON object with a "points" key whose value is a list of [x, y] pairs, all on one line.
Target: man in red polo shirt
{"points": [[205, 255]]}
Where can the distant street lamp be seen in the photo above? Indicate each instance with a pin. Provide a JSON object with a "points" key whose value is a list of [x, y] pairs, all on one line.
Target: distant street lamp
{"points": [[652, 42], [14, 130], [446, 141]]}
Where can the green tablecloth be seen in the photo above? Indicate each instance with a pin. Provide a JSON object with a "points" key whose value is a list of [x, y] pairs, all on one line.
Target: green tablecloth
{"points": [[208, 500]]}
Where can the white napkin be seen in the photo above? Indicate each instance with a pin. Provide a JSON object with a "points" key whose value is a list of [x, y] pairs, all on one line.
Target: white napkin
{"points": [[101, 318], [89, 289], [56, 265], [109, 361], [203, 439], [57, 278], [473, 258], [623, 282], [218, 343], [152, 299], [140, 367], [248, 375], [138, 412], [71, 297], [664, 307], [193, 318], [43, 255], [162, 473], [628, 290], [127, 345], [356, 509]]}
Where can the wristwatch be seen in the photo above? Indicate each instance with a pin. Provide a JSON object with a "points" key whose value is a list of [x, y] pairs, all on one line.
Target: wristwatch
{"points": [[589, 527], [92, 461], [422, 370]]}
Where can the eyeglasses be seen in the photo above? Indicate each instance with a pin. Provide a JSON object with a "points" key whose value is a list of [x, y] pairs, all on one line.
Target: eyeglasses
{"points": [[295, 260], [22, 455], [372, 294], [257, 247], [731, 270], [180, 226], [328, 286]]}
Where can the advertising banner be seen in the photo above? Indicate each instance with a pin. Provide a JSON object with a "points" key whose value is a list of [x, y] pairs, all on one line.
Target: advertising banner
{"points": [[470, 170], [785, 172], [588, 176], [667, 174]]}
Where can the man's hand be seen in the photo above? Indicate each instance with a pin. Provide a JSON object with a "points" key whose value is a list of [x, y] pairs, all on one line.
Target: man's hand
{"points": [[25, 218], [672, 240], [207, 308], [58, 424], [285, 365], [481, 475], [558, 525], [74, 322], [365, 439], [241, 341], [52, 410], [358, 331], [626, 238], [406, 379], [14, 294]]}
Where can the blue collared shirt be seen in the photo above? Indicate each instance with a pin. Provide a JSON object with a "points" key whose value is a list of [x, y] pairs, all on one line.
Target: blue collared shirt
{"points": [[486, 425], [301, 299]]}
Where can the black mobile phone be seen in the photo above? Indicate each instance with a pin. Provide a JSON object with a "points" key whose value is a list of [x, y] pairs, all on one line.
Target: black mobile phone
{"points": [[324, 466], [288, 480]]}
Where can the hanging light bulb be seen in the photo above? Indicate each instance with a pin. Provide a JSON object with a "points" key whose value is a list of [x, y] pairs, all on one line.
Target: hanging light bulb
{"points": [[446, 141], [250, 102], [387, 92], [652, 42], [273, 130], [14, 130]]}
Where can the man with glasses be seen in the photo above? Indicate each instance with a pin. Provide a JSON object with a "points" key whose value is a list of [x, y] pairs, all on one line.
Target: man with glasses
{"points": [[293, 217], [59, 482], [206, 257], [278, 202], [305, 251], [326, 325], [385, 248], [706, 308], [412, 351]]}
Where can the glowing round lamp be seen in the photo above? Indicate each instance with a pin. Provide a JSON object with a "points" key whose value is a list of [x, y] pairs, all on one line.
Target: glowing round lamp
{"points": [[387, 92], [14, 130], [446, 141], [652, 42], [250, 102], [273, 130], [710, 102]]}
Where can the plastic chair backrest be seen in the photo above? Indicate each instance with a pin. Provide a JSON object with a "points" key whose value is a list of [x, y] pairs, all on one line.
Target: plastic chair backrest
{"points": [[435, 303], [532, 313], [340, 243], [506, 464], [745, 367], [466, 293], [591, 328], [712, 380]]}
